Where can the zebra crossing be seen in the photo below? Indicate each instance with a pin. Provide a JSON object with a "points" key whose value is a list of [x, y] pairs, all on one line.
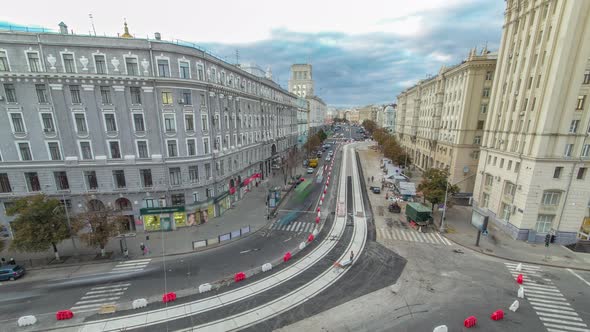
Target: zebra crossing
{"points": [[99, 296], [296, 226], [412, 236], [135, 265], [549, 304]]}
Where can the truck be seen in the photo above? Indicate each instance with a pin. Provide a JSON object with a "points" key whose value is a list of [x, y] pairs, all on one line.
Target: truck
{"points": [[418, 213], [313, 162]]}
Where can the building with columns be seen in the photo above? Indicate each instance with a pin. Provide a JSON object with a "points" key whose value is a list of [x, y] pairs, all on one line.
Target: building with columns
{"points": [[301, 84], [135, 124], [440, 120], [533, 177]]}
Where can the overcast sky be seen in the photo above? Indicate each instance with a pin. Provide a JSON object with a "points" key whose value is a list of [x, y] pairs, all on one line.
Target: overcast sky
{"points": [[362, 52]]}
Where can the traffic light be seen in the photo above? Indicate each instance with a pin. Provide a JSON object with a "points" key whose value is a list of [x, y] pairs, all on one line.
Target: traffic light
{"points": [[547, 240]]}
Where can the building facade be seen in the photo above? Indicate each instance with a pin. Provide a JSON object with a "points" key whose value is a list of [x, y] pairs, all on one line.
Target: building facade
{"points": [[301, 81], [135, 124], [440, 120], [302, 121], [532, 177]]}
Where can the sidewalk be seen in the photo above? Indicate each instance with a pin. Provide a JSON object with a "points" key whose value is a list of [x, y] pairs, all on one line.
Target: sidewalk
{"points": [[245, 213], [500, 245]]}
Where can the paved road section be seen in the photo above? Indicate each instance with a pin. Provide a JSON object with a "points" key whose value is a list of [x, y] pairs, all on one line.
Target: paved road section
{"points": [[412, 236]]}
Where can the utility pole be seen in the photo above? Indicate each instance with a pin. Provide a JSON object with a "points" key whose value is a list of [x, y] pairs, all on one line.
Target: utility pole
{"points": [[92, 23]]}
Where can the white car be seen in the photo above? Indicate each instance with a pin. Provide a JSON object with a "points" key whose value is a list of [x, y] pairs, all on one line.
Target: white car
{"points": [[328, 158], [310, 170]]}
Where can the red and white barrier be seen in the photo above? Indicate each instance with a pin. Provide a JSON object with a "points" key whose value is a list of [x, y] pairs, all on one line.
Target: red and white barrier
{"points": [[204, 288], [26, 320], [64, 314], [139, 303], [169, 297]]}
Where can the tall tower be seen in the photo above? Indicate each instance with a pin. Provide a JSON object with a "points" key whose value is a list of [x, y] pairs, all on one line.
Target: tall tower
{"points": [[532, 175], [301, 80]]}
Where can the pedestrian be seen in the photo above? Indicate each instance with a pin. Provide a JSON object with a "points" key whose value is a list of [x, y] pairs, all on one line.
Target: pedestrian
{"points": [[2, 261], [142, 247], [372, 178], [11, 261], [351, 255], [126, 253]]}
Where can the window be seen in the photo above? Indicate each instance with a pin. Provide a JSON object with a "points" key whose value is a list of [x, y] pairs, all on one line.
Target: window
{"points": [[34, 63], [501, 162], [580, 103], [135, 95], [193, 174], [204, 122], [480, 124], [119, 178], [80, 119], [41, 93], [209, 192], [85, 150], [142, 149], [4, 62], [557, 172], [172, 148], [189, 122], [167, 98], [568, 150], [175, 176], [509, 166], [544, 223], [138, 123], [170, 123], [195, 197], [586, 150], [5, 183], [18, 125], [149, 203], [105, 94], [516, 167], [24, 151], [208, 171], [488, 76], [100, 63], [486, 200], [184, 69], [486, 92], [581, 173], [506, 211], [68, 61], [217, 143], [61, 180], [551, 198], [225, 142], [75, 94], [32, 180], [91, 180], [206, 145], [226, 120], [10, 93], [177, 199], [146, 178], [114, 149], [477, 140], [163, 68], [509, 189], [586, 73], [187, 97], [489, 180], [110, 122], [216, 122], [484, 108], [200, 72], [54, 150], [191, 148], [132, 66]]}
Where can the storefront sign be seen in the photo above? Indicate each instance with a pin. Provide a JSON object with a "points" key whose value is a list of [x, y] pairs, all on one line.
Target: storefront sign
{"points": [[163, 210]]}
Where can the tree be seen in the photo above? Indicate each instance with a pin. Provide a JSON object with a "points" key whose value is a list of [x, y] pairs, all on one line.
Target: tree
{"points": [[97, 225], [40, 224], [312, 144], [369, 126], [434, 185], [322, 135]]}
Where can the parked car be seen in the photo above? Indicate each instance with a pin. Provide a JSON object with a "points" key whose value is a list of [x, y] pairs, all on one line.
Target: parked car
{"points": [[375, 190], [309, 170], [305, 162], [328, 158], [330, 153], [11, 272]]}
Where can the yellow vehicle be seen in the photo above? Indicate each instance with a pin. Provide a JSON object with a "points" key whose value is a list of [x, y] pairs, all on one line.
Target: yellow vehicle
{"points": [[313, 163]]}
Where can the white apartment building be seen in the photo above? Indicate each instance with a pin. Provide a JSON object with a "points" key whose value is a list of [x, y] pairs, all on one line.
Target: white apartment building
{"points": [[533, 167], [440, 120]]}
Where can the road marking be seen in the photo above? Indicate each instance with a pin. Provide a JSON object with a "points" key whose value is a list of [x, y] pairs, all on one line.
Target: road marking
{"points": [[245, 251], [569, 328], [96, 306], [557, 297], [553, 320], [111, 286], [559, 316], [562, 312], [98, 300], [579, 277], [100, 295], [288, 239], [102, 291], [564, 306], [540, 290]]}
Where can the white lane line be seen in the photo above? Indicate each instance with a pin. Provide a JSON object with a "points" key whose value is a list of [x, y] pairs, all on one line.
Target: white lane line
{"points": [[404, 236], [123, 268], [564, 306], [100, 295], [388, 235], [558, 316], [442, 240], [98, 300], [430, 238], [523, 266], [541, 286], [110, 286], [419, 237], [412, 236], [553, 320], [543, 296], [541, 291], [569, 328], [379, 233], [533, 299], [99, 292], [125, 271], [556, 311], [579, 277], [133, 264], [139, 260]]}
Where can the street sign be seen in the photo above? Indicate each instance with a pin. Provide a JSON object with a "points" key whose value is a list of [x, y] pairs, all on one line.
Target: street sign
{"points": [[479, 220], [163, 210]]}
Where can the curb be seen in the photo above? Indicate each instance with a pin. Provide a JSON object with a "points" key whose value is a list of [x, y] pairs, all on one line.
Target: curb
{"points": [[513, 259]]}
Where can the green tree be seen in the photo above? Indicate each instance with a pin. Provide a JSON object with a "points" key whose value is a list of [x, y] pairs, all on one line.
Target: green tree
{"points": [[434, 185], [312, 144], [97, 225], [40, 224], [369, 126], [322, 135]]}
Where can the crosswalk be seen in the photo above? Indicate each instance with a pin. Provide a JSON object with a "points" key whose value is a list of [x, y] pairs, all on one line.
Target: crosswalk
{"points": [[296, 226], [549, 304], [411, 236], [135, 265], [99, 296]]}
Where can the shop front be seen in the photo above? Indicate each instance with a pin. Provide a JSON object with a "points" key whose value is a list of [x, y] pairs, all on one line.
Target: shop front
{"points": [[201, 213], [163, 219], [223, 202]]}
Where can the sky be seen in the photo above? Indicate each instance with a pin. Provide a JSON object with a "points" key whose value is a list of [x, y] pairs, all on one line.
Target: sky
{"points": [[362, 52]]}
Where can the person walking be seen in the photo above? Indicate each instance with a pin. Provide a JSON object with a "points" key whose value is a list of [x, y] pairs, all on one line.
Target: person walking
{"points": [[351, 256], [372, 178], [142, 247], [2, 261], [126, 253]]}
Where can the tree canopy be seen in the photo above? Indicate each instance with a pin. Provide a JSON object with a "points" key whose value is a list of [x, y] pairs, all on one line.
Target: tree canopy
{"points": [[369, 126], [97, 226], [434, 185]]}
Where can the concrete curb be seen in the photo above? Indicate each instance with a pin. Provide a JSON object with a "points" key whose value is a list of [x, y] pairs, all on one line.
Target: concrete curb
{"points": [[515, 260]]}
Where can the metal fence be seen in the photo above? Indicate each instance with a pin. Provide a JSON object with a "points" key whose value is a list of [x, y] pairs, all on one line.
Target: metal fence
{"points": [[197, 245]]}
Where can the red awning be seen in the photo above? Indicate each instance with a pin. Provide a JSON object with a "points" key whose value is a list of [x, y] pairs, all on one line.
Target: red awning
{"points": [[232, 190]]}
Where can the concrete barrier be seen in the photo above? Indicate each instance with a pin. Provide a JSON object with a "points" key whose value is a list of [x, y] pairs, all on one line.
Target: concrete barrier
{"points": [[514, 306], [301, 245], [441, 328], [266, 267], [315, 232], [204, 288], [139, 303], [521, 292], [26, 320]]}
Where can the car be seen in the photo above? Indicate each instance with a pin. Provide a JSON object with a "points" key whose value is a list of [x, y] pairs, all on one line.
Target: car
{"points": [[328, 158], [11, 272], [375, 190], [330, 153], [310, 170]]}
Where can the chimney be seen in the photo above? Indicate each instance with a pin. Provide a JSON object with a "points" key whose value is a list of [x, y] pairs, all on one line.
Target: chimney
{"points": [[158, 36], [63, 28]]}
